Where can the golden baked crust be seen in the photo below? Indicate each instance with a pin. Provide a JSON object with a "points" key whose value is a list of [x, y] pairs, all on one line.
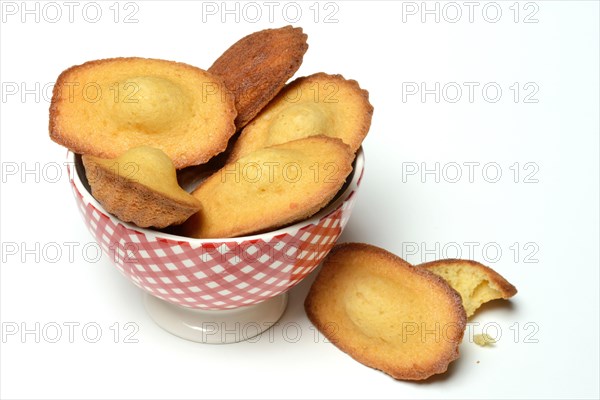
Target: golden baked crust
{"points": [[106, 107], [319, 104], [140, 186], [270, 188], [476, 283], [385, 313], [257, 66]]}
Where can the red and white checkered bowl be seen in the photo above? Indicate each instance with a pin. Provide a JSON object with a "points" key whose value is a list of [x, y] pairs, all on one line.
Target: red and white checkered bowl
{"points": [[216, 274]]}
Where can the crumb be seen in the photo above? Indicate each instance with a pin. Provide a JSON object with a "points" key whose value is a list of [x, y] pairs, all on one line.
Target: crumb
{"points": [[477, 361], [483, 339]]}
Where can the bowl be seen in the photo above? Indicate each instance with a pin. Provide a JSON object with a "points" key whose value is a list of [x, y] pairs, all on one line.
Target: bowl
{"points": [[216, 290]]}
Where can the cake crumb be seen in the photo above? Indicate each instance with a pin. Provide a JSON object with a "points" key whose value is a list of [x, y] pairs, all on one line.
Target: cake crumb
{"points": [[483, 339]]}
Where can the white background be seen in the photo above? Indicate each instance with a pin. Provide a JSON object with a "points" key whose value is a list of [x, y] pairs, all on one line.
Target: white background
{"points": [[543, 220]]}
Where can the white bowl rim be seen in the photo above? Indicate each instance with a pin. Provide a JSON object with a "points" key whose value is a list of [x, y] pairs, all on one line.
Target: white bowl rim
{"points": [[356, 175]]}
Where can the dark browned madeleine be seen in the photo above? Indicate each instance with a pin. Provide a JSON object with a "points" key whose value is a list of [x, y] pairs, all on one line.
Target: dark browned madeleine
{"points": [[257, 66]]}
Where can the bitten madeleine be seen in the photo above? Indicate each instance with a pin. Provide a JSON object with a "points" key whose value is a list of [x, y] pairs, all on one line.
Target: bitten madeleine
{"points": [[319, 104], [140, 186], [270, 188], [476, 283], [257, 66], [385, 313], [105, 107]]}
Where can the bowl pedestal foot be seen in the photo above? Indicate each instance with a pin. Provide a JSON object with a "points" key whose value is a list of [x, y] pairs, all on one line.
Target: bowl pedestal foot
{"points": [[216, 326]]}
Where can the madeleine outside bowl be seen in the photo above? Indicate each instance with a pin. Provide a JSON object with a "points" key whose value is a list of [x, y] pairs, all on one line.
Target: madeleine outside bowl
{"points": [[216, 290]]}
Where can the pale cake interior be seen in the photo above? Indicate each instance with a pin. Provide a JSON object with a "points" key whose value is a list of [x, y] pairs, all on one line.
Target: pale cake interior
{"points": [[476, 285]]}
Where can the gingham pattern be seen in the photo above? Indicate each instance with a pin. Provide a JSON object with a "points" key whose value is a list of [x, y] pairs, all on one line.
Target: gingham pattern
{"points": [[215, 275]]}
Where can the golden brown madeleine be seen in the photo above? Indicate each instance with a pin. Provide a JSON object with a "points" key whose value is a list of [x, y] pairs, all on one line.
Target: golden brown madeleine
{"points": [[105, 107], [257, 66], [476, 283], [270, 188], [140, 186], [319, 104], [385, 313]]}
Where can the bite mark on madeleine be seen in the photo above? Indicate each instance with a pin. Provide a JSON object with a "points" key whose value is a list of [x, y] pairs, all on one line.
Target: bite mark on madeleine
{"points": [[270, 188], [385, 313], [140, 186], [476, 283]]}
